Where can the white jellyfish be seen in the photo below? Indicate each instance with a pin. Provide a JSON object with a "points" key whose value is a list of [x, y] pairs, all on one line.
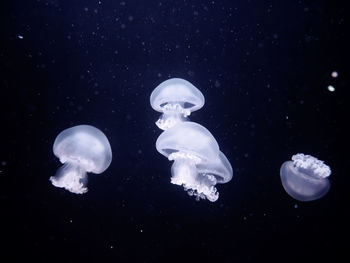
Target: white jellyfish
{"points": [[198, 163], [176, 98], [81, 149], [305, 178]]}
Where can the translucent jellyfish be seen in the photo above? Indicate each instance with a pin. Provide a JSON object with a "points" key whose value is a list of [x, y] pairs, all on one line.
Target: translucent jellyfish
{"points": [[198, 164], [176, 98], [305, 178], [81, 149]]}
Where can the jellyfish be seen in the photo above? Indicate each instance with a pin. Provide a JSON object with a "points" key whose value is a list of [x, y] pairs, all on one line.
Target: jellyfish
{"points": [[176, 98], [305, 178], [82, 149], [198, 163]]}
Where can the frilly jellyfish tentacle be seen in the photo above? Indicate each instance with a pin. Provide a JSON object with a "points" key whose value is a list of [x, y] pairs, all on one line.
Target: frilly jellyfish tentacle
{"points": [[72, 178], [311, 165], [184, 172], [173, 113]]}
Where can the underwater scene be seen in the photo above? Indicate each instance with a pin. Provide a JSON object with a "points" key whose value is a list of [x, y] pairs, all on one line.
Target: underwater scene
{"points": [[173, 131]]}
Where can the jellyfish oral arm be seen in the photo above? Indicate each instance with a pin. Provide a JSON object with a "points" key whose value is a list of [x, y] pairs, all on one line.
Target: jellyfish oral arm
{"points": [[310, 163], [173, 113], [184, 172], [72, 178]]}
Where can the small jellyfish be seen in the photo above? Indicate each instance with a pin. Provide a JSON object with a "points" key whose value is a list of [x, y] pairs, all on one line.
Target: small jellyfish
{"points": [[176, 98], [198, 163], [305, 178], [81, 149]]}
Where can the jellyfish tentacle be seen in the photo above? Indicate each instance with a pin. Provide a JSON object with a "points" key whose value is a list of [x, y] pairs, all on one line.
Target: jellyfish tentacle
{"points": [[71, 177], [184, 172], [309, 163], [173, 113]]}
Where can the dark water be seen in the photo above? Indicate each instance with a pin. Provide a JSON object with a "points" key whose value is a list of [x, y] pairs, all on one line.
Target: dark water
{"points": [[263, 67]]}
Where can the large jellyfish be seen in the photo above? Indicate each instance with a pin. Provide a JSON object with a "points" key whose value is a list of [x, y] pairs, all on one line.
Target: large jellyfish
{"points": [[176, 98], [198, 163], [305, 178], [81, 149]]}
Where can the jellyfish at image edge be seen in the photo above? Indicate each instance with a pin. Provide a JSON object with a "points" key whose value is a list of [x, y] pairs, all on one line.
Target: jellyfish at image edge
{"points": [[176, 98], [305, 178], [198, 163], [82, 149]]}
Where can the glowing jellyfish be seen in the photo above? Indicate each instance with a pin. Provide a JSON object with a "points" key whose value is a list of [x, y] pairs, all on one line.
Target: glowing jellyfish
{"points": [[305, 178], [176, 98], [198, 163], [81, 149]]}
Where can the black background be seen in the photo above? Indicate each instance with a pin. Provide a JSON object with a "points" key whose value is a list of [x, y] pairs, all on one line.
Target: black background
{"points": [[263, 67]]}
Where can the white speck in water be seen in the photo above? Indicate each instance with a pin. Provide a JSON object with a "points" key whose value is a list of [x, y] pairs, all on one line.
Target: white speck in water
{"points": [[331, 88], [20, 36], [295, 206], [334, 74]]}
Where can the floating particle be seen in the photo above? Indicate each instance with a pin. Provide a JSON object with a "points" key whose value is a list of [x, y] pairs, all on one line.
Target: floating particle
{"points": [[334, 74], [331, 88]]}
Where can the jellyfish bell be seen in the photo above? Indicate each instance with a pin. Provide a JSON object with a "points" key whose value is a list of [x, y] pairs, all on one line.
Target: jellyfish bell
{"points": [[188, 138], [176, 98], [305, 178], [220, 168], [192, 147], [81, 149]]}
